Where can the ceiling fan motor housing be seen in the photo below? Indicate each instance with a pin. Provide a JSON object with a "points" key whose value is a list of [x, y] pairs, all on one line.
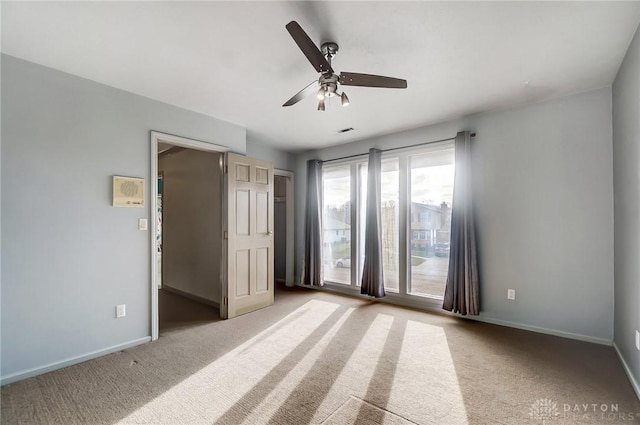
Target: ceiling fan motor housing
{"points": [[329, 83], [329, 50]]}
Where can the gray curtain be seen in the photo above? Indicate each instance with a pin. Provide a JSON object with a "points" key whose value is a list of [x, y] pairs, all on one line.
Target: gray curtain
{"points": [[461, 293], [372, 273], [312, 262]]}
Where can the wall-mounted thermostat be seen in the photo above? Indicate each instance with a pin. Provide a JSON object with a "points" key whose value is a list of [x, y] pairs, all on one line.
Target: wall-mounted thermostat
{"points": [[128, 191]]}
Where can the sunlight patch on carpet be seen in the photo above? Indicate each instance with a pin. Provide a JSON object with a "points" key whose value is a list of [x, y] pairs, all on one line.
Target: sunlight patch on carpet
{"points": [[356, 411], [215, 388], [313, 366], [425, 382], [358, 370], [269, 404]]}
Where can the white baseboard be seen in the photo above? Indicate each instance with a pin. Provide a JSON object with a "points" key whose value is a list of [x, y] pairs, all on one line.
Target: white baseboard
{"points": [[570, 335], [70, 361], [435, 306], [191, 296], [627, 369]]}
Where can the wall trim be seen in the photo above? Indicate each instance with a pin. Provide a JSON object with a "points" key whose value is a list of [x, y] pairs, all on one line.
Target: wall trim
{"points": [[193, 297], [547, 331], [29, 373], [433, 306], [627, 369]]}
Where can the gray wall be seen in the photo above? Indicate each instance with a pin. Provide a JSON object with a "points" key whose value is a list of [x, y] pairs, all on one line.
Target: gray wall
{"points": [[68, 256], [626, 187], [257, 148], [191, 223], [544, 204]]}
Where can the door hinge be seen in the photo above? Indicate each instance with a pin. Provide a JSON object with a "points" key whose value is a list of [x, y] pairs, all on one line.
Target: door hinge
{"points": [[226, 169], [225, 301], [226, 235]]}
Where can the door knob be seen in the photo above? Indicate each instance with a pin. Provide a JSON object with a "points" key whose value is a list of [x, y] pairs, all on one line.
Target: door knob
{"points": [[269, 233]]}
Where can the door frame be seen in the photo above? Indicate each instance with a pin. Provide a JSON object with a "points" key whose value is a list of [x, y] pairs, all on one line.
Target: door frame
{"points": [[158, 137], [290, 214]]}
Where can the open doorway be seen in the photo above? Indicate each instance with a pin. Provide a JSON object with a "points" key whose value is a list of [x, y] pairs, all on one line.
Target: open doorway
{"points": [[207, 242], [187, 236], [189, 248]]}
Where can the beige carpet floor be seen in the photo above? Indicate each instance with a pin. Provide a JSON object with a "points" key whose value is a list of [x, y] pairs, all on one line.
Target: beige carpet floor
{"points": [[320, 358]]}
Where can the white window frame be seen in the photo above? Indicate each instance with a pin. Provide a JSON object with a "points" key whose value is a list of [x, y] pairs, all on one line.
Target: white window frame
{"points": [[402, 297]]}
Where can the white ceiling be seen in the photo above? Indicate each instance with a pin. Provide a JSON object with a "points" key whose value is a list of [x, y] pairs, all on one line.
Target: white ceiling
{"points": [[236, 61]]}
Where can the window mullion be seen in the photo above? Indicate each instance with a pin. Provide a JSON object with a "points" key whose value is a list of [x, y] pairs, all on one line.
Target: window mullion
{"points": [[354, 223]]}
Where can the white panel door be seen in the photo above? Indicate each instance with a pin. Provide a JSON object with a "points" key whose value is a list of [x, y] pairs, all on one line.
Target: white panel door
{"points": [[249, 219]]}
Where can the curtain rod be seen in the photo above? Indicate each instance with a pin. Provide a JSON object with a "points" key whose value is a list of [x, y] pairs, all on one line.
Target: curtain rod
{"points": [[394, 149]]}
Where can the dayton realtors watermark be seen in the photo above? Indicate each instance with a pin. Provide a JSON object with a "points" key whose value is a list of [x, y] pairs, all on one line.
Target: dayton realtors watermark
{"points": [[547, 410]]}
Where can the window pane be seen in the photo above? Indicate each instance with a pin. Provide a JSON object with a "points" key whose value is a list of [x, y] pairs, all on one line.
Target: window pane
{"points": [[336, 219], [431, 197], [390, 180]]}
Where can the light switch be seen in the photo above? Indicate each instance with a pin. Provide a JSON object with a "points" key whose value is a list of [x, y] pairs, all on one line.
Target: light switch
{"points": [[142, 224]]}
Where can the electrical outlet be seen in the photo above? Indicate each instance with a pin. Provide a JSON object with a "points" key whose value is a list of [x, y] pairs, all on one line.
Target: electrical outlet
{"points": [[121, 311], [511, 294], [142, 224], [638, 340]]}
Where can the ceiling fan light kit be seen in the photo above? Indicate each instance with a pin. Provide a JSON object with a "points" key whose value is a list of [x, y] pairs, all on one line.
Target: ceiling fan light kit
{"points": [[344, 99], [329, 82]]}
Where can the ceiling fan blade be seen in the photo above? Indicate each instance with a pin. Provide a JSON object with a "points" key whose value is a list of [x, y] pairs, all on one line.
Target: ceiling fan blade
{"points": [[311, 88], [309, 49], [368, 80]]}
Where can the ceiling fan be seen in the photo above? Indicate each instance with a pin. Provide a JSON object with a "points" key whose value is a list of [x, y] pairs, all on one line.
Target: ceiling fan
{"points": [[327, 85]]}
